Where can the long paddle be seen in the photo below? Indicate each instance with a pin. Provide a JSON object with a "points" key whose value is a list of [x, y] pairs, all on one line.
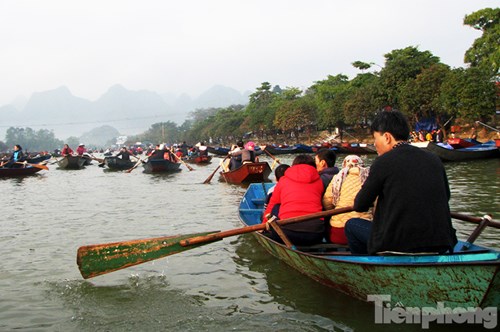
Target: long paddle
{"points": [[182, 161], [276, 160], [475, 220], [139, 161], [33, 165], [97, 159], [98, 259], [215, 170]]}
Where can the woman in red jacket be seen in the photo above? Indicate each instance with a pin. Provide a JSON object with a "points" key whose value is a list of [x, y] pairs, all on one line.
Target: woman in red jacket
{"points": [[299, 192]]}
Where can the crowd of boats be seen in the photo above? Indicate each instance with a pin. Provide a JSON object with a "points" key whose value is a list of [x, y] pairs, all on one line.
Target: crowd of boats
{"points": [[455, 149]]}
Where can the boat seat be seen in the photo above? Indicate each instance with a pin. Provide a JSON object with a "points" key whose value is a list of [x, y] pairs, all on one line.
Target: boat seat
{"points": [[253, 211], [258, 201]]}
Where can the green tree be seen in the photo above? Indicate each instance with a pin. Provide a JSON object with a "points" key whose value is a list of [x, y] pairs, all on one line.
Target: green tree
{"points": [[400, 67], [330, 96], [485, 51], [469, 93], [261, 109], [295, 114], [421, 96], [32, 141], [363, 100]]}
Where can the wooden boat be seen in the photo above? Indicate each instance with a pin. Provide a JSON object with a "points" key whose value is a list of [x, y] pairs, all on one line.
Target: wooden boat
{"points": [[466, 278], [460, 143], [302, 148], [39, 159], [87, 160], [274, 150], [356, 148], [199, 160], [160, 166], [220, 151], [248, 172], [480, 151], [6, 172], [116, 163], [71, 162]]}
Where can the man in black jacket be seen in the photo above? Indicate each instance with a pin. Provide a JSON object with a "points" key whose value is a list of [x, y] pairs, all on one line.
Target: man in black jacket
{"points": [[412, 192]]}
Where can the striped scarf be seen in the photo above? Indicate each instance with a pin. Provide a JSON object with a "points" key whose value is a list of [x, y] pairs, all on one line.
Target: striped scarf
{"points": [[349, 162]]}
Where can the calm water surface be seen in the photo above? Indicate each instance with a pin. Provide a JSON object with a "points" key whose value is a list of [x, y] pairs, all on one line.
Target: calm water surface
{"points": [[228, 285]]}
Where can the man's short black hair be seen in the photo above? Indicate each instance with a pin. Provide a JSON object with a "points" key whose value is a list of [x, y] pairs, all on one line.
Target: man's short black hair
{"points": [[393, 122], [328, 156]]}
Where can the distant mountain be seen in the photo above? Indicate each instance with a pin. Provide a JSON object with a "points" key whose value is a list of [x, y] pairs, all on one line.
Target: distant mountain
{"points": [[219, 96], [130, 112], [99, 137]]}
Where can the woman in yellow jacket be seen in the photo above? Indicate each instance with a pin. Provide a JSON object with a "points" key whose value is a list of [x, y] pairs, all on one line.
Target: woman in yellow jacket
{"points": [[341, 193]]}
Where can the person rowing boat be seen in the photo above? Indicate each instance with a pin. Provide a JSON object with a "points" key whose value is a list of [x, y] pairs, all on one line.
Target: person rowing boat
{"points": [[16, 157]]}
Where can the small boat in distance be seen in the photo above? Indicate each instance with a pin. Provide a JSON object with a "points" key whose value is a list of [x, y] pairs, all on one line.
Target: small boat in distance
{"points": [[199, 160], [247, 173], [481, 151], [115, 163], [7, 172], [160, 166], [71, 162]]}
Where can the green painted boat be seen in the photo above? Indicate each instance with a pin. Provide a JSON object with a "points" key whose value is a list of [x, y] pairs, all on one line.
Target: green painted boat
{"points": [[466, 278]]}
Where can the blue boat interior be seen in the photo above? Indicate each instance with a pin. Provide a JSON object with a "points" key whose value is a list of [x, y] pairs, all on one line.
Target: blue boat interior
{"points": [[252, 206]]}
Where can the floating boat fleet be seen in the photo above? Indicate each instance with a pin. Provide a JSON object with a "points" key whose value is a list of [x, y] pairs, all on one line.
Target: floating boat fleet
{"points": [[455, 149]]}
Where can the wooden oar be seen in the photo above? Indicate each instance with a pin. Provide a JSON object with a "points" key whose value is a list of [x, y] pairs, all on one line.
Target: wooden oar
{"points": [[215, 170], [137, 164], [220, 235], [97, 159], [94, 260], [182, 161], [33, 165], [482, 224], [475, 220], [276, 160]]}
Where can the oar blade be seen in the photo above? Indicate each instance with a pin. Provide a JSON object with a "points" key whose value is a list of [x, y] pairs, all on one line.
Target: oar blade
{"points": [[95, 260]]}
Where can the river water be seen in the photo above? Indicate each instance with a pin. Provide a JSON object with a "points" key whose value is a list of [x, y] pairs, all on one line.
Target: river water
{"points": [[228, 285]]}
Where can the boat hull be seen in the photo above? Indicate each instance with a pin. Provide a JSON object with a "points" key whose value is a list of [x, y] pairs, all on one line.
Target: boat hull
{"points": [[199, 160], [18, 171], [160, 166], [356, 148], [482, 151], [220, 151], [247, 173], [116, 163], [458, 280], [71, 162]]}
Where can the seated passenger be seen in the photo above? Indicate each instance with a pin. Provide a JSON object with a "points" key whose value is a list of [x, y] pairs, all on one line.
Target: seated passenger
{"points": [[124, 154], [278, 173], [325, 164], [404, 219], [66, 151], [236, 156], [16, 157], [344, 187], [299, 193]]}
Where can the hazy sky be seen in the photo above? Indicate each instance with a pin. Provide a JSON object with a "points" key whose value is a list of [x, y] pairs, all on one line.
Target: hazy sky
{"points": [[191, 45]]}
